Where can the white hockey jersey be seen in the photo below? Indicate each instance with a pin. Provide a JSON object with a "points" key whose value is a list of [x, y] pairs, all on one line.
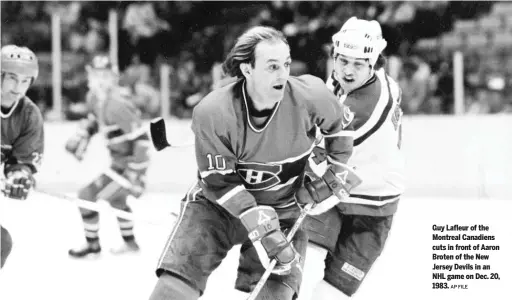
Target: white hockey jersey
{"points": [[374, 109]]}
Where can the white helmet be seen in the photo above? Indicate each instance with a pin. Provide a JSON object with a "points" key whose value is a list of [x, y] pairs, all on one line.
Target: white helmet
{"points": [[19, 60], [360, 39]]}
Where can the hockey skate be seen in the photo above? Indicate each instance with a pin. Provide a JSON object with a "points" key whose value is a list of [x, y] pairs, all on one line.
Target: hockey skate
{"points": [[130, 246], [87, 250]]}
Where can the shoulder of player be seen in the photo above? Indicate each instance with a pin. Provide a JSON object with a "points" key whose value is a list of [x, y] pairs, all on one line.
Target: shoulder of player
{"points": [[216, 105], [364, 99], [31, 111], [307, 83], [307, 89]]}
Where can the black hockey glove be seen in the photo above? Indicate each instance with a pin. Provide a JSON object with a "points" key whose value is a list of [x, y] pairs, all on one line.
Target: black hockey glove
{"points": [[262, 223], [327, 191]]}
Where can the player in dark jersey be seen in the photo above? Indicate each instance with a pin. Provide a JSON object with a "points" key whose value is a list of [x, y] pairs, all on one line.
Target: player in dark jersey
{"points": [[22, 129], [112, 113], [253, 138], [360, 82]]}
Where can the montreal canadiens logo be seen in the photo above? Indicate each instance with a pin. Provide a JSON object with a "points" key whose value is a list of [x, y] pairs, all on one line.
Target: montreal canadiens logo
{"points": [[259, 176], [348, 117]]}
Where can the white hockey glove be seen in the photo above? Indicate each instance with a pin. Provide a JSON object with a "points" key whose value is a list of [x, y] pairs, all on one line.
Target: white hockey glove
{"points": [[77, 144]]}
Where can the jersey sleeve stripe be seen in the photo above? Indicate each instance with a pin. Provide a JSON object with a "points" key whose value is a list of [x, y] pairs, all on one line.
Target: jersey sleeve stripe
{"points": [[138, 166], [332, 161], [230, 195], [237, 200], [347, 133], [205, 174], [375, 117], [128, 137], [375, 199], [280, 186]]}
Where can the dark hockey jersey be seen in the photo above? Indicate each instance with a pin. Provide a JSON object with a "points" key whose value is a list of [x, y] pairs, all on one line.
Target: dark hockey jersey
{"points": [[242, 165], [22, 136], [119, 120]]}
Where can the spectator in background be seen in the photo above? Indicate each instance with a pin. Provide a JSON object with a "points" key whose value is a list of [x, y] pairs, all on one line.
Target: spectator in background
{"points": [[443, 88], [137, 77], [415, 86], [489, 97]]}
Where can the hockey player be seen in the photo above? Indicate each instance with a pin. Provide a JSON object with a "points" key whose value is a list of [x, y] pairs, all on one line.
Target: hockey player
{"points": [[112, 113], [22, 129], [360, 82], [253, 138]]}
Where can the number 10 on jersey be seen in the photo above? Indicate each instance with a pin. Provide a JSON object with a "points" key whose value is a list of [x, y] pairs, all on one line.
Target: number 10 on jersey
{"points": [[216, 162]]}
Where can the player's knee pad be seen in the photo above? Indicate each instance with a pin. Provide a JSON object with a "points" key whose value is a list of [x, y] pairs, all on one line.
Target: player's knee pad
{"points": [[313, 273], [87, 193], [88, 214], [120, 202], [5, 245]]}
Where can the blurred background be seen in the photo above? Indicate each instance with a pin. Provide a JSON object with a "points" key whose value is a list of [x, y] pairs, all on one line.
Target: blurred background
{"points": [[451, 57]]}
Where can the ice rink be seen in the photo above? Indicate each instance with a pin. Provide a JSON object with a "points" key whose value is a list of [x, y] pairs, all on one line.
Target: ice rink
{"points": [[44, 228]]}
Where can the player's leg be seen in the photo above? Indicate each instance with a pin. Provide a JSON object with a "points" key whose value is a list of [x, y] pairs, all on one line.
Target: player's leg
{"points": [[200, 240], [282, 287], [118, 201], [5, 245], [117, 197], [361, 242], [91, 218], [323, 231]]}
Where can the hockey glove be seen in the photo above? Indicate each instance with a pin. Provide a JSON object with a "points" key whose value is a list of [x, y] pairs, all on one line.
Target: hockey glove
{"points": [[77, 145], [137, 180], [18, 183], [327, 192], [262, 223]]}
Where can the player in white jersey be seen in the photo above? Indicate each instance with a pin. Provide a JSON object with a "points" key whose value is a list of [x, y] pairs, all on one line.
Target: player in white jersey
{"points": [[372, 104]]}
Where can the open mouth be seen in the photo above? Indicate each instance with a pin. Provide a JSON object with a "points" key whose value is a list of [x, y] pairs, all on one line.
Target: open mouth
{"points": [[278, 87], [348, 80]]}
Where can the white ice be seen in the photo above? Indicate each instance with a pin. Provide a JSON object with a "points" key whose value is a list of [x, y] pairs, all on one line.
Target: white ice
{"points": [[43, 228]]}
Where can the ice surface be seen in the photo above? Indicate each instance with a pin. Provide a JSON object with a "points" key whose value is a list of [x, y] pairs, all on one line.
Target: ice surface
{"points": [[43, 228]]}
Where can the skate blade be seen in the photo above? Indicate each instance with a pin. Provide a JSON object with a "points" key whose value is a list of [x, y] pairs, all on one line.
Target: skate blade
{"points": [[91, 256]]}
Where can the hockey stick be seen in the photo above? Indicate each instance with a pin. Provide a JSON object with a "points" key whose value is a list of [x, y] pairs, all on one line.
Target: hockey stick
{"points": [[101, 208], [354, 181], [159, 135], [289, 237]]}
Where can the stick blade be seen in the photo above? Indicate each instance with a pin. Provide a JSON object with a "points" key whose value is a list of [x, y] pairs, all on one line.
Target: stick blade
{"points": [[158, 134]]}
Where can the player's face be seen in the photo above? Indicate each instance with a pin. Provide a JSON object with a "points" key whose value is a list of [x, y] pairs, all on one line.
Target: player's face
{"points": [[100, 81], [271, 71], [351, 72], [14, 87]]}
